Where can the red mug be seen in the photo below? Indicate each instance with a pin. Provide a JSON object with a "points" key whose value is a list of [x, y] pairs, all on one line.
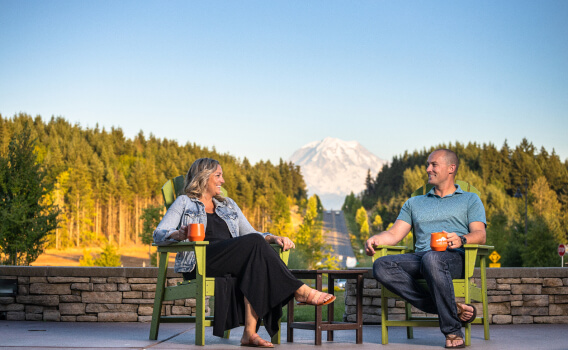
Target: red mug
{"points": [[438, 241], [196, 232]]}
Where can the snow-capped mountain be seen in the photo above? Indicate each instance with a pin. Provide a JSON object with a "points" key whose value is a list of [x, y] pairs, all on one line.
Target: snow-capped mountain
{"points": [[332, 168]]}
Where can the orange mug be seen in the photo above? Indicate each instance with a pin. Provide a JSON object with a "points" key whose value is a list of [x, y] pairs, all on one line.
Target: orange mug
{"points": [[196, 232], [438, 241]]}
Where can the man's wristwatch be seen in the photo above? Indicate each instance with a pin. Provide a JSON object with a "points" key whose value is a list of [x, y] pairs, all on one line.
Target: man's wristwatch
{"points": [[464, 240]]}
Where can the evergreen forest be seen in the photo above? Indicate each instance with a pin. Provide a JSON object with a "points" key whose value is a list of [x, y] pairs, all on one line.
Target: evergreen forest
{"points": [[524, 190], [102, 181]]}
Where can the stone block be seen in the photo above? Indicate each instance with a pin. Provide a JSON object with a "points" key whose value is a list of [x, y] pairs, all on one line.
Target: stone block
{"points": [[351, 300], [104, 287], [132, 295], [72, 308], [491, 283], [561, 299], [68, 279], [34, 317], [45, 300], [50, 288], [170, 282], [123, 287], [23, 280], [149, 295], [15, 316], [503, 286], [503, 298], [522, 319], [367, 300], [145, 310], [33, 309], [70, 299], [532, 311], [102, 297], [181, 310], [367, 319], [552, 282], [508, 280], [498, 292], [12, 307], [527, 289], [98, 308], [376, 302], [69, 318], [88, 287], [499, 308], [51, 316], [565, 281], [535, 300], [517, 303], [370, 310], [38, 280], [144, 287], [119, 280], [117, 317], [23, 289], [532, 280], [370, 283], [555, 290], [558, 310], [138, 280], [351, 309], [7, 300], [87, 318], [145, 319], [98, 280], [145, 301], [372, 292], [191, 302], [502, 319], [551, 319]]}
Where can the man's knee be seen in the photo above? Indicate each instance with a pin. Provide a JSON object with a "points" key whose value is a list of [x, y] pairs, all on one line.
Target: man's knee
{"points": [[380, 268]]}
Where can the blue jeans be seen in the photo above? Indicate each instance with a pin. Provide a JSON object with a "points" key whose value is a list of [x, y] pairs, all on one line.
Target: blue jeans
{"points": [[399, 273]]}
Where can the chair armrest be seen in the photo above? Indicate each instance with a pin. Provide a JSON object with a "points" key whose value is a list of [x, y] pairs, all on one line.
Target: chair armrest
{"points": [[284, 255], [179, 247], [480, 249], [384, 250]]}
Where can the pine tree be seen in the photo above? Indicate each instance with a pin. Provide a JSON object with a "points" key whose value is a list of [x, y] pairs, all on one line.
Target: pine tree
{"points": [[25, 216]]}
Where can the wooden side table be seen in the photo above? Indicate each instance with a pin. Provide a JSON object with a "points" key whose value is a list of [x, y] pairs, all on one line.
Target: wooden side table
{"points": [[328, 325]]}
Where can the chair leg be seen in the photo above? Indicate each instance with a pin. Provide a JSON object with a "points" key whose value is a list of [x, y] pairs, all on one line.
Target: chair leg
{"points": [[159, 297], [408, 312], [384, 318]]}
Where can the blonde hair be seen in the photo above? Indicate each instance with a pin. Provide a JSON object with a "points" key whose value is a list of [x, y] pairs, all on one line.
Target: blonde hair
{"points": [[197, 178]]}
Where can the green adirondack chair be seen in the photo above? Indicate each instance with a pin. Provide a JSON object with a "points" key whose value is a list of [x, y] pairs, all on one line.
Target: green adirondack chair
{"points": [[198, 288], [464, 288]]}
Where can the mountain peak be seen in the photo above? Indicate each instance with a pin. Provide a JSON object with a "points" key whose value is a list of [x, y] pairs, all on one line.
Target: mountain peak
{"points": [[333, 168]]}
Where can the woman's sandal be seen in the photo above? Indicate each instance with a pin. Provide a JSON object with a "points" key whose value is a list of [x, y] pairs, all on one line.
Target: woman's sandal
{"points": [[461, 310], [255, 341], [451, 338], [319, 301]]}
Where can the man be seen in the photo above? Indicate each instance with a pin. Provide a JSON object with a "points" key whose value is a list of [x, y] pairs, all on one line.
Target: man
{"points": [[445, 208]]}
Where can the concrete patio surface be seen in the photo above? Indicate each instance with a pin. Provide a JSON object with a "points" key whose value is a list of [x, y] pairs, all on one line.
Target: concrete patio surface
{"points": [[97, 335]]}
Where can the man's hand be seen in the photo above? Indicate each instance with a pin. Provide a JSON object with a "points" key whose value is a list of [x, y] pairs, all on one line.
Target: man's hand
{"points": [[454, 241], [370, 245], [285, 242]]}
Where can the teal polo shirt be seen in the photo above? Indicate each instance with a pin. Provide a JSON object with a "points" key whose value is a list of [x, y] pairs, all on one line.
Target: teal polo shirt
{"points": [[431, 213]]}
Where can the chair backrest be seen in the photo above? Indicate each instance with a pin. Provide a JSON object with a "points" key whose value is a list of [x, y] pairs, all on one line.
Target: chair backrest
{"points": [[427, 187], [171, 190]]}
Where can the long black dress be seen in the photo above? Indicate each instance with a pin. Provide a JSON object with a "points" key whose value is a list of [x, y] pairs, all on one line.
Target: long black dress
{"points": [[245, 265]]}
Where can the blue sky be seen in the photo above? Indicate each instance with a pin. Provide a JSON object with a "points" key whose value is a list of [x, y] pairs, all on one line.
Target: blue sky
{"points": [[259, 79]]}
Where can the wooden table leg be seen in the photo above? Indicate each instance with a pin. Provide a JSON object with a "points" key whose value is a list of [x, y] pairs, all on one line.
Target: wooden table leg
{"points": [[318, 311], [330, 308], [290, 330], [359, 331]]}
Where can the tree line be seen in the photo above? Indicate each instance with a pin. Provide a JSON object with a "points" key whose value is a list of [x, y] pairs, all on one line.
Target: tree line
{"points": [[505, 177], [103, 180]]}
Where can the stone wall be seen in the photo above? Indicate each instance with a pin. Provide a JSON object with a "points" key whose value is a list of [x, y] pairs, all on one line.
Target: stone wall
{"points": [[98, 294], [86, 294], [515, 295]]}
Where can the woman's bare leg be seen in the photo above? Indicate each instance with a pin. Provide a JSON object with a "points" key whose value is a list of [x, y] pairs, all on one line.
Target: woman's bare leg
{"points": [[249, 334]]}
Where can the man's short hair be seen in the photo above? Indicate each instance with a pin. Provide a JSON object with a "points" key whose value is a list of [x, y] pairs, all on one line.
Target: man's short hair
{"points": [[450, 157]]}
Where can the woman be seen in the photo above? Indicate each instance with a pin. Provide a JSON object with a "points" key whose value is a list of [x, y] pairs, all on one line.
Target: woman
{"points": [[235, 248]]}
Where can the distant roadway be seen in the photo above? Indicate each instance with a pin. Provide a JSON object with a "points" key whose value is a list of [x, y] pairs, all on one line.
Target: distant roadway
{"points": [[336, 234]]}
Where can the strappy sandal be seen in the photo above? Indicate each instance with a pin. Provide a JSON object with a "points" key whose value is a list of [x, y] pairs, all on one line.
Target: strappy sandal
{"points": [[451, 338], [461, 310], [319, 301]]}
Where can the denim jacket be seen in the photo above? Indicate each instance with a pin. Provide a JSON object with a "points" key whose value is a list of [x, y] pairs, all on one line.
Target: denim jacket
{"points": [[185, 211]]}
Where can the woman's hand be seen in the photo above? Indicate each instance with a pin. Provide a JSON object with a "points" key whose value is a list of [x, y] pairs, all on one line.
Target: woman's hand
{"points": [[285, 242], [181, 234]]}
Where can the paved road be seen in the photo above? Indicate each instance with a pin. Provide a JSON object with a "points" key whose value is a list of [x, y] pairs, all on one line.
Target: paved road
{"points": [[335, 233]]}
